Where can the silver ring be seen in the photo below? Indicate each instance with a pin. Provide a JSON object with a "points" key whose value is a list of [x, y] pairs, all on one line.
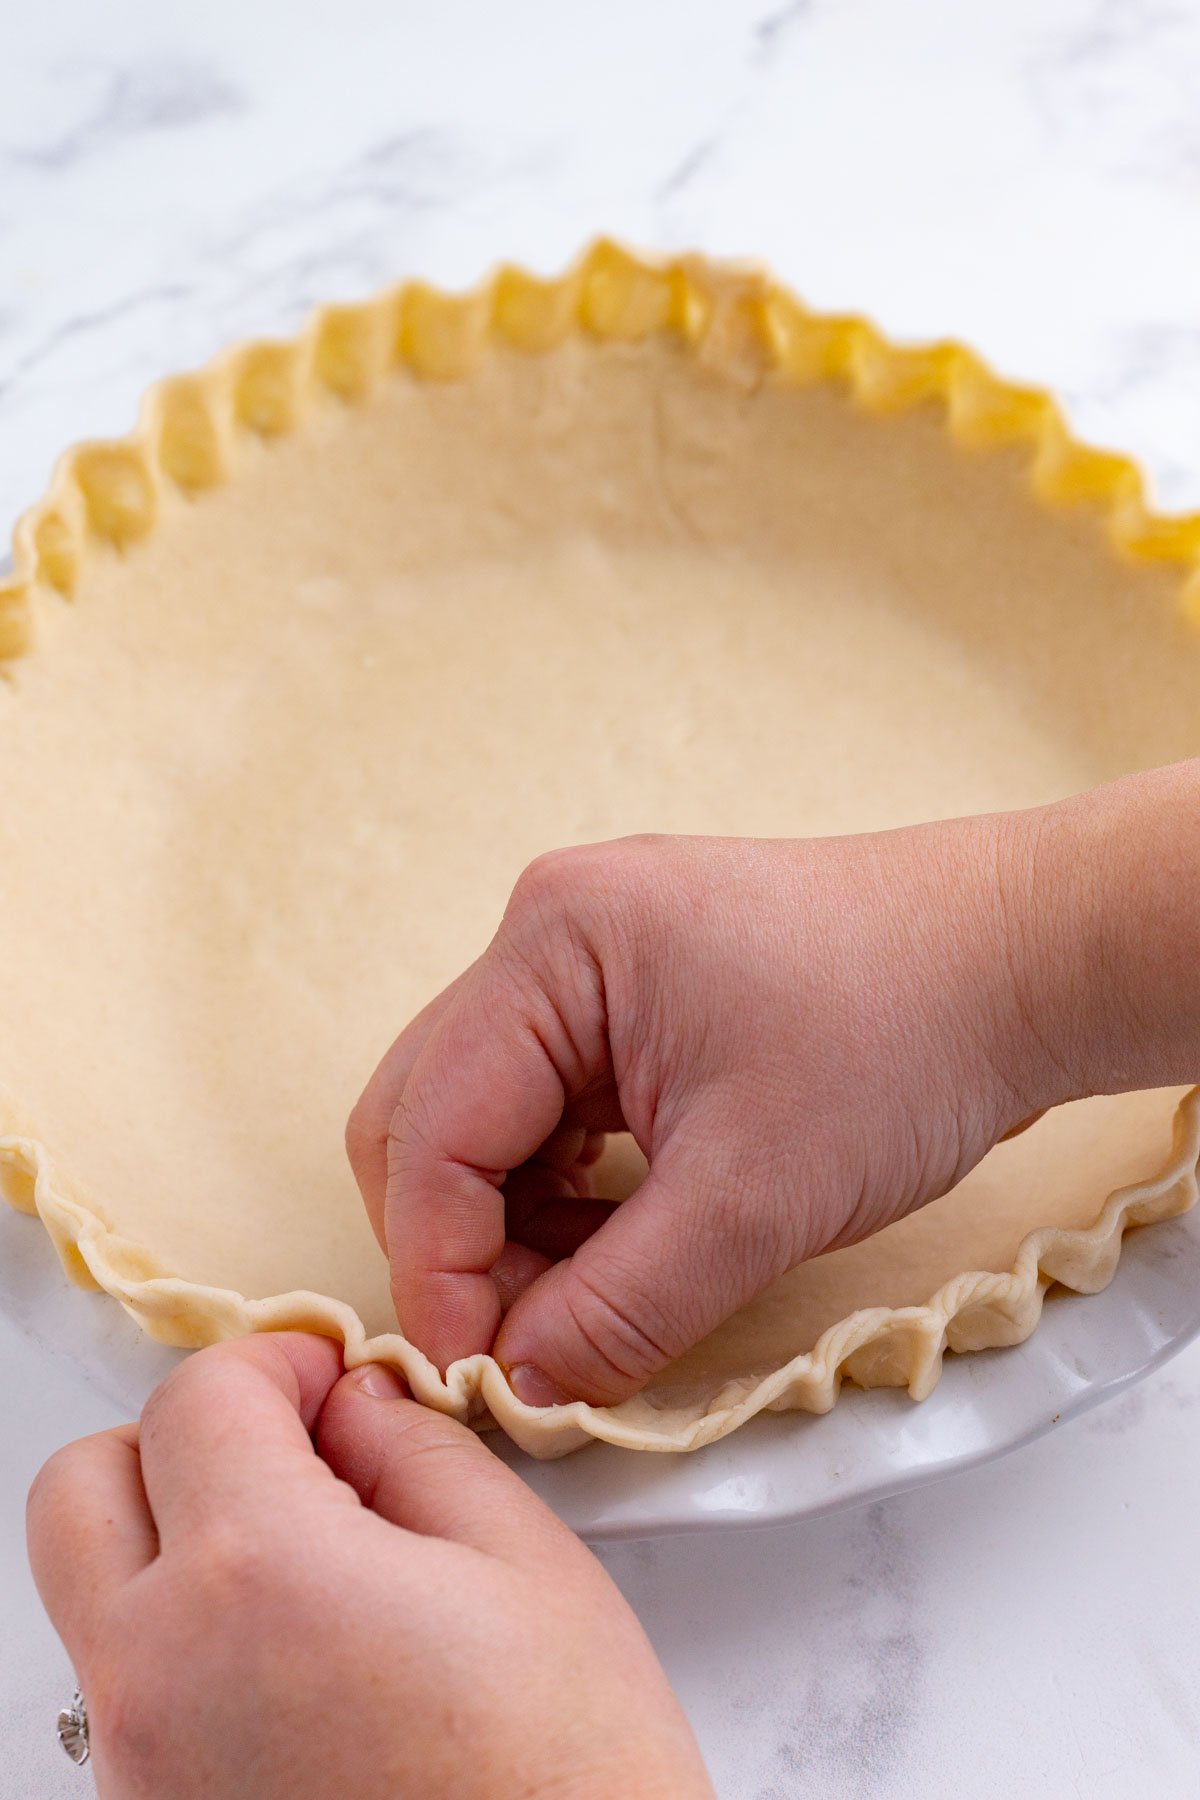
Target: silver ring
{"points": [[73, 1729]]}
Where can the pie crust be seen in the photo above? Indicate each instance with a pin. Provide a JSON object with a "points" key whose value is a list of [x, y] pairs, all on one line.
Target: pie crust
{"points": [[362, 622]]}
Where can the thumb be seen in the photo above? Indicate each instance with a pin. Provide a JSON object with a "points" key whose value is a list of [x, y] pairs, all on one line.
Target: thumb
{"points": [[666, 1269], [427, 1473]]}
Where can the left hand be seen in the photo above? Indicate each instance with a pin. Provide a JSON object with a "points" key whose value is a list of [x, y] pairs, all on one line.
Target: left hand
{"points": [[390, 1616]]}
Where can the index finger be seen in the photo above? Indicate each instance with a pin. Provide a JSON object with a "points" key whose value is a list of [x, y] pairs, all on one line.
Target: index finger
{"points": [[368, 1126], [480, 1098], [227, 1432]]}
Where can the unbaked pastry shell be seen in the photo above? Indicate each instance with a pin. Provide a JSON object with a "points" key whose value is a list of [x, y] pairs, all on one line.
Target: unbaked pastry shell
{"points": [[741, 324]]}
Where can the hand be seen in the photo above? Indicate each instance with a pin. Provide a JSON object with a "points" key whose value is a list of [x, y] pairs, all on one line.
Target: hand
{"points": [[392, 1615], [806, 1039]]}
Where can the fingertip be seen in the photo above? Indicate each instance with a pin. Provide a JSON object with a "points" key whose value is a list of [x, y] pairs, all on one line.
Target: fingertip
{"points": [[315, 1362], [427, 1473], [304, 1365], [347, 1414], [378, 1381], [572, 1344], [370, 1430], [523, 1347], [449, 1315], [533, 1387]]}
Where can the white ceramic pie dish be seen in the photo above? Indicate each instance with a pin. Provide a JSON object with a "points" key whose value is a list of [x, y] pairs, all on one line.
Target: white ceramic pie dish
{"points": [[780, 1468]]}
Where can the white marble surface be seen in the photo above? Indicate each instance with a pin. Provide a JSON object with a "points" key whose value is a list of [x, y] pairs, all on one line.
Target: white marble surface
{"points": [[1026, 176]]}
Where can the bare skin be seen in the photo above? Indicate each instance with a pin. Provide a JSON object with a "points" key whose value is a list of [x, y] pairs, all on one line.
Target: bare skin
{"points": [[391, 1614], [806, 1038]]}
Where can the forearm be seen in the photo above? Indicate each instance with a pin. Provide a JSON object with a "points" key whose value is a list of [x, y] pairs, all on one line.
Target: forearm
{"points": [[1109, 917]]}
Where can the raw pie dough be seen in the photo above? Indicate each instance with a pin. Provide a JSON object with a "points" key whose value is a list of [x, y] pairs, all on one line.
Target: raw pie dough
{"points": [[350, 643]]}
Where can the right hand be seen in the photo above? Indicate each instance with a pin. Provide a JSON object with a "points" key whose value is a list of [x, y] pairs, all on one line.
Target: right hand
{"points": [[806, 1038]]}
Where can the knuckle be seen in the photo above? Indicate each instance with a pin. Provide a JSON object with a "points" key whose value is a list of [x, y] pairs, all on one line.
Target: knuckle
{"points": [[49, 1491], [637, 845], [559, 916], [546, 882], [198, 1384], [182, 1378], [570, 877], [238, 1566], [361, 1137], [620, 1345], [579, 876]]}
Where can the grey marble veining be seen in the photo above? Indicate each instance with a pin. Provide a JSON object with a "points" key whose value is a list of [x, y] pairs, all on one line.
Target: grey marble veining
{"points": [[120, 102], [1023, 176]]}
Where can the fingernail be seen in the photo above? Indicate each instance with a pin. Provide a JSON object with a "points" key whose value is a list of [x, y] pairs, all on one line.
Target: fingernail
{"points": [[534, 1386], [379, 1381]]}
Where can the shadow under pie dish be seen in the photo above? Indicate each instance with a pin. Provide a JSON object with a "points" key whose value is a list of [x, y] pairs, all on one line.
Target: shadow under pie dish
{"points": [[360, 624]]}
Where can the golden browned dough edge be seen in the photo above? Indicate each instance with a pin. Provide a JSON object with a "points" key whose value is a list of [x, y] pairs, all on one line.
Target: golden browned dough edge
{"points": [[736, 319]]}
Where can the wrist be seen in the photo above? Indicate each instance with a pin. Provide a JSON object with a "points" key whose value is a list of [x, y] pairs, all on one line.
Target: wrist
{"points": [[1104, 915]]}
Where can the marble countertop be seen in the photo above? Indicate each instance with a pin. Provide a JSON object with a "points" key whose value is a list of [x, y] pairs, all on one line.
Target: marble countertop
{"points": [[1026, 176]]}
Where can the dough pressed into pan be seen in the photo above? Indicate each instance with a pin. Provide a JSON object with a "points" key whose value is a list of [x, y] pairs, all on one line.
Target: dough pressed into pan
{"points": [[360, 625]]}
